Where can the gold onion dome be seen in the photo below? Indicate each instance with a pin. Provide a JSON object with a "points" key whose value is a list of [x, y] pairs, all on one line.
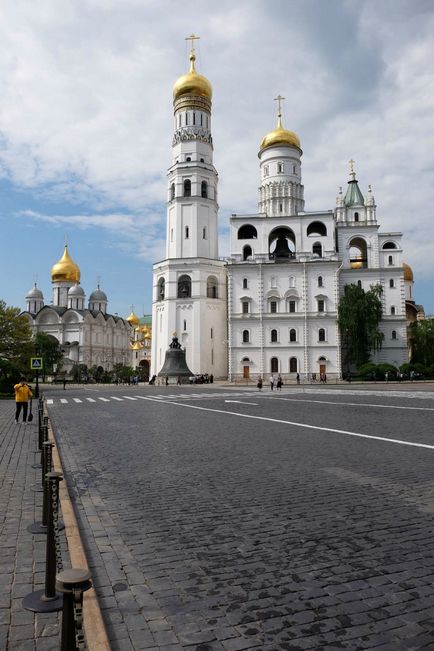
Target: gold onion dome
{"points": [[133, 319], [280, 136], [408, 272], [65, 269], [357, 262], [192, 83]]}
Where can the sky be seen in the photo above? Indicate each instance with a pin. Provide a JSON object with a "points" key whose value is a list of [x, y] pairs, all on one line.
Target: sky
{"points": [[86, 124]]}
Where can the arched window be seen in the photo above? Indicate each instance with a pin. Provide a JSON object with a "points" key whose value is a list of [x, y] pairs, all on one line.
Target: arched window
{"points": [[293, 365], [247, 232], [391, 283], [172, 191], [291, 281], [274, 336], [293, 334], [247, 252], [316, 228], [321, 334], [204, 189], [393, 334], [317, 249], [320, 281], [280, 168], [184, 286], [245, 283], [389, 245], [392, 310], [212, 287], [187, 188], [246, 337], [161, 289], [274, 365]]}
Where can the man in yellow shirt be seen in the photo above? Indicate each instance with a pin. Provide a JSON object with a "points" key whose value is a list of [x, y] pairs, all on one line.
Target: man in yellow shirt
{"points": [[22, 394]]}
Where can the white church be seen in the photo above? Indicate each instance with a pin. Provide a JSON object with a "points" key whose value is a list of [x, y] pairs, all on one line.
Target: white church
{"points": [[271, 306]]}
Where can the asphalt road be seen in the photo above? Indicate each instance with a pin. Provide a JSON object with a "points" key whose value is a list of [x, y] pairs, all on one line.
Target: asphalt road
{"points": [[225, 518]]}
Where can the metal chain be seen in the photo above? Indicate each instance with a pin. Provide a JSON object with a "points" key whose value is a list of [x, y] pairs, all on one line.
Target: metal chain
{"points": [[55, 506], [80, 641]]}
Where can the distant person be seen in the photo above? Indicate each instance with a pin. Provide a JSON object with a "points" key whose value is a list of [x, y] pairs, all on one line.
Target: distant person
{"points": [[298, 378], [64, 383], [22, 394], [279, 382], [211, 378], [167, 380], [259, 383], [272, 382]]}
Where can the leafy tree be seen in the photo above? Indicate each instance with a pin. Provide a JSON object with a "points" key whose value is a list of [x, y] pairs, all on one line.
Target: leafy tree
{"points": [[359, 314], [422, 337], [49, 348], [15, 335]]}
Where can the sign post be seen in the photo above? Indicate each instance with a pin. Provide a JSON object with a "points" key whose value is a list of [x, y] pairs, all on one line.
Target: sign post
{"points": [[37, 364]]}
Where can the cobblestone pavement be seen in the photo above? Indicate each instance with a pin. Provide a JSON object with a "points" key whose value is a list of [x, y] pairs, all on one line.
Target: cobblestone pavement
{"points": [[22, 555], [220, 531]]}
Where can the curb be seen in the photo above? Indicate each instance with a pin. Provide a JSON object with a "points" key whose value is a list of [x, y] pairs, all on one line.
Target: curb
{"points": [[95, 630]]}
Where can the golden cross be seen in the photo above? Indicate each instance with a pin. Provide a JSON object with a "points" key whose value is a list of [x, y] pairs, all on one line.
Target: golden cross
{"points": [[192, 38], [279, 99]]}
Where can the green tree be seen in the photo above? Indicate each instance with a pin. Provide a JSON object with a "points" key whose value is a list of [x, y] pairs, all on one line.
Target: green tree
{"points": [[359, 314], [422, 338], [15, 335], [49, 348]]}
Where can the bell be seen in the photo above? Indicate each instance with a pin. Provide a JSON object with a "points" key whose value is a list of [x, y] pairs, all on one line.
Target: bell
{"points": [[175, 364], [282, 249]]}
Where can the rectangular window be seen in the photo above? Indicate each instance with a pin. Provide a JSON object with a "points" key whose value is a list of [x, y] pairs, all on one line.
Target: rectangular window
{"points": [[321, 306], [273, 307], [185, 324], [212, 334], [292, 306], [187, 232], [391, 283], [245, 305], [204, 233]]}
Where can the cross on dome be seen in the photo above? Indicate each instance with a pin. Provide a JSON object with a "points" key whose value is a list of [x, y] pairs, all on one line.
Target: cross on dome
{"points": [[352, 170]]}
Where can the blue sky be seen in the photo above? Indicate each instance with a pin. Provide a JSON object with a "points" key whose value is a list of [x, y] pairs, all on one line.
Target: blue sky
{"points": [[86, 123]]}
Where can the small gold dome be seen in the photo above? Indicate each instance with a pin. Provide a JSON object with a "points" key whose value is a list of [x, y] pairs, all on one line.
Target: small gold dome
{"points": [[280, 136], [133, 319], [408, 272], [357, 263], [192, 83], [147, 336], [65, 269], [136, 346]]}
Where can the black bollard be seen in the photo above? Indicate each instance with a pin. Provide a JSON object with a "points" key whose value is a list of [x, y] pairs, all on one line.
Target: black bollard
{"points": [[47, 466], [72, 583], [40, 422], [47, 600]]}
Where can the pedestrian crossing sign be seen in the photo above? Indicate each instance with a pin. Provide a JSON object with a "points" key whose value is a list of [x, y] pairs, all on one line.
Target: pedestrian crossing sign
{"points": [[36, 363]]}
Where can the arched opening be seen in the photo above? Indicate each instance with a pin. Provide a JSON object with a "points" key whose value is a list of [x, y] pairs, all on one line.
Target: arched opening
{"points": [[247, 232], [187, 188], [246, 337], [274, 365], [247, 252], [321, 334], [320, 282], [293, 366], [204, 189], [212, 287], [161, 289], [293, 334], [184, 286], [317, 228], [245, 283], [172, 191], [393, 334], [317, 249], [281, 244], [274, 336], [389, 245], [358, 253]]}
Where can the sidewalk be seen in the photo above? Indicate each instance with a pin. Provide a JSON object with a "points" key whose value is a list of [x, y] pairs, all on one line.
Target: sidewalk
{"points": [[22, 554]]}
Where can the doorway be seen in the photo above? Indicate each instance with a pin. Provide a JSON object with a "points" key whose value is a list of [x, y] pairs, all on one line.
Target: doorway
{"points": [[246, 372]]}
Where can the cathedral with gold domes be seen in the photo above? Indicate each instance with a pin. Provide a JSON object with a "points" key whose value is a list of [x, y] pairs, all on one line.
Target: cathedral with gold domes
{"points": [[271, 306], [86, 331]]}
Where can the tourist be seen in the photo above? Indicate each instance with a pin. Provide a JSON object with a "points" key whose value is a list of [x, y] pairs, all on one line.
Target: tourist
{"points": [[22, 394]]}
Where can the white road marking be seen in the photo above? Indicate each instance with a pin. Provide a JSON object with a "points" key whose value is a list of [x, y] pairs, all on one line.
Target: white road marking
{"points": [[241, 402], [77, 400], [50, 402], [104, 399], [63, 401], [90, 400], [115, 398], [302, 425], [353, 404], [129, 398]]}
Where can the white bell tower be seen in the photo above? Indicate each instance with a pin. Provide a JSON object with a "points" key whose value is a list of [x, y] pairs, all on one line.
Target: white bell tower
{"points": [[189, 293]]}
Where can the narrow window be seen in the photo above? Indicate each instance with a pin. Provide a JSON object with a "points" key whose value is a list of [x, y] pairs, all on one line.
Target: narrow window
{"points": [[212, 356], [187, 188], [356, 216], [390, 259], [321, 334], [194, 117], [204, 189], [246, 337], [274, 336], [321, 305], [292, 306], [212, 334], [245, 306], [161, 289], [273, 307], [320, 281], [186, 118], [391, 283], [185, 324], [245, 283], [392, 310], [172, 191], [294, 169], [201, 119], [187, 232], [393, 334], [171, 234], [204, 233], [279, 168], [247, 252], [293, 335]]}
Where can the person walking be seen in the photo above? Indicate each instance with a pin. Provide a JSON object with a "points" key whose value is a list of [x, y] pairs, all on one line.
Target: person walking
{"points": [[272, 382], [298, 378], [279, 382], [259, 383], [22, 394]]}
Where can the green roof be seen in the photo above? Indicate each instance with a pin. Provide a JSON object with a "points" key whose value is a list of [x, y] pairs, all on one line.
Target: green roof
{"points": [[146, 320], [353, 196]]}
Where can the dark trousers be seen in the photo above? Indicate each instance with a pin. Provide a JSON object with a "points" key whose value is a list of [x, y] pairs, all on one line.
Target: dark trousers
{"points": [[24, 407]]}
